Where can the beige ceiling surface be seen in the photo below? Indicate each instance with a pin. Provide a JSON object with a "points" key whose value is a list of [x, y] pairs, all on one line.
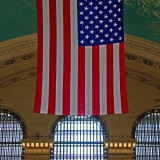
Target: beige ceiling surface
{"points": [[18, 69], [18, 41], [18, 60]]}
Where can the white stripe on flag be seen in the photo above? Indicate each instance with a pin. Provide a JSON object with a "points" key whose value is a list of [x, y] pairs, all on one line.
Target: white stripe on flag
{"points": [[46, 53], [74, 59], [103, 91], [88, 80], [59, 69], [116, 79]]}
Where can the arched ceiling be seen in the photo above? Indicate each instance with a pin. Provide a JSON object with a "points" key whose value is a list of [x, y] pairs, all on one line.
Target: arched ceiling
{"points": [[141, 18], [18, 43]]}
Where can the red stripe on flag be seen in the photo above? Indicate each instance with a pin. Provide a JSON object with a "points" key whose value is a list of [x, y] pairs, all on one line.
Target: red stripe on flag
{"points": [[67, 57], [81, 80], [38, 95], [53, 51], [95, 81], [123, 88], [110, 92]]}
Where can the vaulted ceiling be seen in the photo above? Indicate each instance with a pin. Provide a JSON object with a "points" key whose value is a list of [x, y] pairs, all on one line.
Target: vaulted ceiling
{"points": [[18, 51]]}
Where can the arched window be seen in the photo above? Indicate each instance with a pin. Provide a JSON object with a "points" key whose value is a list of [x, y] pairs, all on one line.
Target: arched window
{"points": [[146, 131], [78, 137], [12, 130]]}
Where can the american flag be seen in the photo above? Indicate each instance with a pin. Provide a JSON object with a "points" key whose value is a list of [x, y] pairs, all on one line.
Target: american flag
{"points": [[81, 68]]}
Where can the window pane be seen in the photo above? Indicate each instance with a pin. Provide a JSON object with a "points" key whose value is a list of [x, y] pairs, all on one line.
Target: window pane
{"points": [[78, 137], [12, 130], [146, 131]]}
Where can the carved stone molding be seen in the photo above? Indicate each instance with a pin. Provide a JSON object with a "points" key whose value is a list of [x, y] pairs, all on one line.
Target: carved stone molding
{"points": [[120, 144], [31, 40], [37, 149], [17, 76], [143, 77], [28, 41], [142, 45], [143, 60], [18, 59], [33, 55], [17, 44], [31, 72], [120, 149]]}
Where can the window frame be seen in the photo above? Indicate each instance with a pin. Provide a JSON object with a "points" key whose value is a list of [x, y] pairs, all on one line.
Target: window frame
{"points": [[13, 145], [94, 119], [152, 115]]}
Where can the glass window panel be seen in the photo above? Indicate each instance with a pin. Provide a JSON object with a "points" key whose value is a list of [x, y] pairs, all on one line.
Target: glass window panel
{"points": [[146, 131], [84, 138], [12, 130]]}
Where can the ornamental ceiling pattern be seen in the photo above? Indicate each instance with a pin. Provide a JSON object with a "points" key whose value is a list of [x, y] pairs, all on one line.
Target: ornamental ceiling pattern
{"points": [[141, 18], [18, 40]]}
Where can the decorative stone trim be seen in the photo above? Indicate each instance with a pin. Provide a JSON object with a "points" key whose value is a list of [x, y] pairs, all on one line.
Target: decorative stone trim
{"points": [[121, 144], [142, 60], [37, 149], [31, 72], [17, 76], [29, 43], [143, 77], [17, 44], [142, 45], [120, 149], [18, 59], [31, 40], [37, 143]]}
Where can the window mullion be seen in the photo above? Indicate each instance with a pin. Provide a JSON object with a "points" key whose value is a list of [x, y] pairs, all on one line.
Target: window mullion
{"points": [[78, 138]]}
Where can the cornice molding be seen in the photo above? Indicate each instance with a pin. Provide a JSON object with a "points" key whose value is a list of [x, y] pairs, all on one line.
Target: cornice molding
{"points": [[18, 59], [18, 44], [28, 41], [143, 60], [142, 45], [31, 72], [17, 76], [143, 77]]}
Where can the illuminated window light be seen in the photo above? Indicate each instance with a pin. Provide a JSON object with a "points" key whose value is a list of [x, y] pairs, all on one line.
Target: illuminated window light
{"points": [[23, 144], [106, 144], [134, 144], [32, 144], [46, 144], [120, 144], [37, 144], [115, 145], [28, 145], [129, 145], [111, 145], [51, 144], [41, 145], [124, 144]]}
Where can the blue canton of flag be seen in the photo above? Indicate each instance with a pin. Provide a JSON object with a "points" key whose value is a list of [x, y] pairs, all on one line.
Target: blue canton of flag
{"points": [[100, 22]]}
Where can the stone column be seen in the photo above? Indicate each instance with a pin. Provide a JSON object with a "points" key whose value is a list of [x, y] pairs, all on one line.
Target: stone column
{"points": [[37, 149], [120, 149]]}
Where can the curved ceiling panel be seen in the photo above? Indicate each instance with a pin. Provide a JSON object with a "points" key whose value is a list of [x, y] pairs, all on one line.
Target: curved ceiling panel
{"points": [[141, 18], [17, 18]]}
